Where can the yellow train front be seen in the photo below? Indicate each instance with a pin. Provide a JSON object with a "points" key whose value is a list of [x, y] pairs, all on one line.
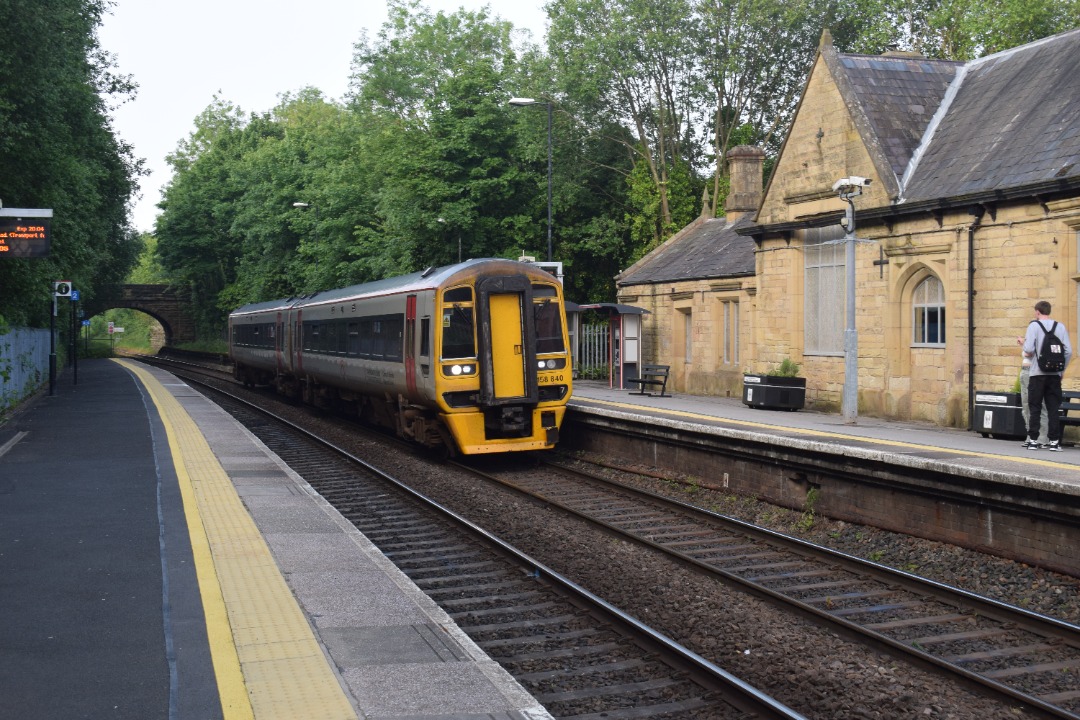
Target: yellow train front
{"points": [[472, 356]]}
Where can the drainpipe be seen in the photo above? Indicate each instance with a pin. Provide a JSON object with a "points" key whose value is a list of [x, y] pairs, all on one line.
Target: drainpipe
{"points": [[977, 213]]}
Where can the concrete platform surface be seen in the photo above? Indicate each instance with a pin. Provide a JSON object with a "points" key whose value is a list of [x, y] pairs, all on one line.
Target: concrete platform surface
{"points": [[902, 443], [157, 561]]}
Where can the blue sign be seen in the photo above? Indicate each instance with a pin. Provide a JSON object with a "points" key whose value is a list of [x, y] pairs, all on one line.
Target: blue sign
{"points": [[75, 296], [85, 322]]}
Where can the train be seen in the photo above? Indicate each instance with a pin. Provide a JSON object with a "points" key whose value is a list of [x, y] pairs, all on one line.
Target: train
{"points": [[470, 358]]}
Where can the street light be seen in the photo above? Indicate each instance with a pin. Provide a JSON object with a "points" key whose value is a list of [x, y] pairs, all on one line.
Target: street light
{"points": [[849, 188], [522, 102]]}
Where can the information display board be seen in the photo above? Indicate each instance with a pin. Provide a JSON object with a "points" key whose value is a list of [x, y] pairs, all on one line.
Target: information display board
{"points": [[25, 232]]}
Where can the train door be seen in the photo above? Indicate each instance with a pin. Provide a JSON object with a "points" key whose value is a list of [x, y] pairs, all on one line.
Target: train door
{"points": [[507, 341], [280, 344], [410, 345]]}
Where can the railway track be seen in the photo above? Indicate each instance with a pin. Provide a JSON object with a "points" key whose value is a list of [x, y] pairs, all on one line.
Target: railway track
{"points": [[1028, 660], [1024, 657], [579, 656]]}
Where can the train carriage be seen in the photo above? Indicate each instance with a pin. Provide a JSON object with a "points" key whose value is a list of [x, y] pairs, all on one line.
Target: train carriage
{"points": [[472, 356]]}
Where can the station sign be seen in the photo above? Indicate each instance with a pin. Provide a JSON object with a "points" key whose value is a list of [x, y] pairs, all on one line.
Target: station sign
{"points": [[25, 232]]}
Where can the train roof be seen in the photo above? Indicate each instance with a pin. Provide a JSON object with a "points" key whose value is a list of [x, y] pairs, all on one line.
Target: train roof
{"points": [[432, 277]]}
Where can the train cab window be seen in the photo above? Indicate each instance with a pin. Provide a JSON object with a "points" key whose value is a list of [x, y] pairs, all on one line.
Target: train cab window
{"points": [[549, 329], [463, 294], [458, 338]]}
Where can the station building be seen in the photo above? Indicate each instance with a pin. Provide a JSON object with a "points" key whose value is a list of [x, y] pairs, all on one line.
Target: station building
{"points": [[971, 215]]}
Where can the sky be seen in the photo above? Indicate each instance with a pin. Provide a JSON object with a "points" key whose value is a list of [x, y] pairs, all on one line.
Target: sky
{"points": [[183, 52]]}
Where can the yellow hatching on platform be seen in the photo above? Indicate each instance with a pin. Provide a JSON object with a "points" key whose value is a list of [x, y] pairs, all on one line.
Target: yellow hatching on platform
{"points": [[266, 658]]}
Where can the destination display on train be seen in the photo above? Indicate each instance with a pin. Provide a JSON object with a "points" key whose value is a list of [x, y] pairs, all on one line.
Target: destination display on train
{"points": [[25, 232]]}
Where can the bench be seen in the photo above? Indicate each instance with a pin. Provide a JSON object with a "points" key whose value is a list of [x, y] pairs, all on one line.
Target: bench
{"points": [[1070, 400], [651, 375]]}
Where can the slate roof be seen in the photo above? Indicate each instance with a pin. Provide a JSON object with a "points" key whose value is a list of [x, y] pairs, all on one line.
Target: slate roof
{"points": [[899, 95], [1012, 120], [707, 248]]}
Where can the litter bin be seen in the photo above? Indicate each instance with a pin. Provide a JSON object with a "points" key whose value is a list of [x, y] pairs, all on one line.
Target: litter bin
{"points": [[999, 415]]}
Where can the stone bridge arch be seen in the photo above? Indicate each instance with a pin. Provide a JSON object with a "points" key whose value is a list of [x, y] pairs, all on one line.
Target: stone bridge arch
{"points": [[162, 303]]}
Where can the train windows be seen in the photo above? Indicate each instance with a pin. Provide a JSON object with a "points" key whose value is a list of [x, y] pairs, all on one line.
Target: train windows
{"points": [[354, 339], [544, 291], [379, 337], [458, 295], [549, 330], [393, 337], [458, 338], [254, 335], [425, 342], [367, 340], [311, 337]]}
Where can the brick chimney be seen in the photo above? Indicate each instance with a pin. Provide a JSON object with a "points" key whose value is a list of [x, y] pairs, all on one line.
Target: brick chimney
{"points": [[745, 163]]}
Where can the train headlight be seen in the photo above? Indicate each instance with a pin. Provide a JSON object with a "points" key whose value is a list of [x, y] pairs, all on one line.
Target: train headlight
{"points": [[460, 369], [455, 370], [549, 364]]}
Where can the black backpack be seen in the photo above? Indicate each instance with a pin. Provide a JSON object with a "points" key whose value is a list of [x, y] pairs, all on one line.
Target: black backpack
{"points": [[1051, 355]]}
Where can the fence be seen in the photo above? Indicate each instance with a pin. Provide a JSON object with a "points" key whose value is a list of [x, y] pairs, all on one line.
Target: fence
{"points": [[592, 352], [24, 364]]}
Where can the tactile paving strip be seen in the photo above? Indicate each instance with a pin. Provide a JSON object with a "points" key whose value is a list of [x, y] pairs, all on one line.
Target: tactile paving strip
{"points": [[266, 658]]}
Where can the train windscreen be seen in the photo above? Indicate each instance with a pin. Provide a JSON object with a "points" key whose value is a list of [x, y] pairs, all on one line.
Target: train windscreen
{"points": [[549, 329], [458, 326]]}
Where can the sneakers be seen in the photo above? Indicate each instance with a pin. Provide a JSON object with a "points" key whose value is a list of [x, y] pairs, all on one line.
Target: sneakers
{"points": [[1032, 445], [1054, 446]]}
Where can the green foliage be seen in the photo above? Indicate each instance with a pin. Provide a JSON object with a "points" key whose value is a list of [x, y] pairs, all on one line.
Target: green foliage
{"points": [[148, 270], [787, 368], [58, 151], [425, 156]]}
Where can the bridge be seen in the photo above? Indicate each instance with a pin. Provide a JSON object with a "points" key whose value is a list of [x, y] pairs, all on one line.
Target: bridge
{"points": [[162, 303]]}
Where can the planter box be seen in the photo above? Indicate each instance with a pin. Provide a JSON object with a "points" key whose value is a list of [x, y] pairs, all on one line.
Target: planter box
{"points": [[998, 414], [774, 392]]}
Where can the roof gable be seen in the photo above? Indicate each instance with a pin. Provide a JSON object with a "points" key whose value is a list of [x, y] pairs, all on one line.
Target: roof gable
{"points": [[898, 96], [1013, 119]]}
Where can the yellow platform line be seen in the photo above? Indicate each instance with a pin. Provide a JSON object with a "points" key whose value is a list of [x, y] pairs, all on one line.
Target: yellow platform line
{"points": [[826, 434], [266, 659]]}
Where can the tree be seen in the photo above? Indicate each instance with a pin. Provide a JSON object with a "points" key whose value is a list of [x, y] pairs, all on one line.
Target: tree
{"points": [[630, 61], [59, 151], [196, 246], [433, 91]]}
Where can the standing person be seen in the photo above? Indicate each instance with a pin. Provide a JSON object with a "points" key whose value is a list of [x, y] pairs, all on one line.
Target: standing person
{"points": [[1044, 387], [1025, 376]]}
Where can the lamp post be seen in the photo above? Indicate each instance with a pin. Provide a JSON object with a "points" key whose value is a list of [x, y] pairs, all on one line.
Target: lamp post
{"points": [[849, 188], [522, 102]]}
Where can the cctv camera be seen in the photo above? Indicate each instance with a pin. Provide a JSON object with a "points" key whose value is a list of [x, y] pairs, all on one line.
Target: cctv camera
{"points": [[852, 182]]}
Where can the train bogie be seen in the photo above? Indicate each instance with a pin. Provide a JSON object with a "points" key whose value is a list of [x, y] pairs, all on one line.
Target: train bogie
{"points": [[473, 356]]}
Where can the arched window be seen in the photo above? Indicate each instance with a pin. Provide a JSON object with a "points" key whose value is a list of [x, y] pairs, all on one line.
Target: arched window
{"points": [[928, 313]]}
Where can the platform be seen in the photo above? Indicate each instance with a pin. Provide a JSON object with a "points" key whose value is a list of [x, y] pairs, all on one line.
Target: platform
{"points": [[888, 440], [157, 561], [942, 484]]}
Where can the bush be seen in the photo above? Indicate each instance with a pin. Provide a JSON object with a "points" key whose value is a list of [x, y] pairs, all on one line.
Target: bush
{"points": [[788, 368]]}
